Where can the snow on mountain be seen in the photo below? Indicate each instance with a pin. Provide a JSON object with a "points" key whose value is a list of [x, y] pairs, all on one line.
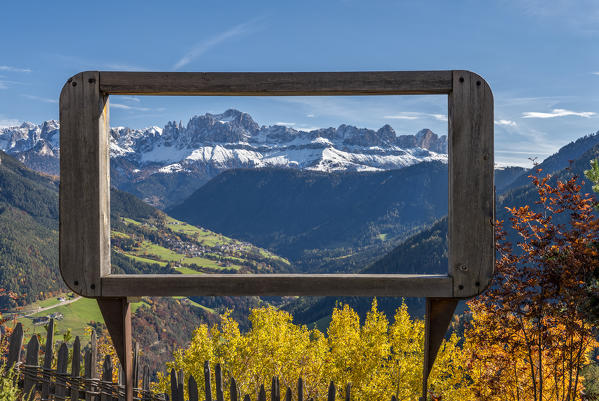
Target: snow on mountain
{"points": [[234, 139], [211, 143]]}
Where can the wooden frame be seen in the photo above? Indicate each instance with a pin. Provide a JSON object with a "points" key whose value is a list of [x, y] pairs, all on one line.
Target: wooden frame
{"points": [[85, 182]]}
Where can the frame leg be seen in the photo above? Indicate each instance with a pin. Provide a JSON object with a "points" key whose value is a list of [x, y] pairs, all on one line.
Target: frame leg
{"points": [[117, 316], [439, 312]]}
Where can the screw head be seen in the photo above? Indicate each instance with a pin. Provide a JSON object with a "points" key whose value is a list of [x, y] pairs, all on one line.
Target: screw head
{"points": [[462, 268], [461, 79]]}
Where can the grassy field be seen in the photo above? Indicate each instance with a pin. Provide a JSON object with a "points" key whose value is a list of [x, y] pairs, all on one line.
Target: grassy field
{"points": [[204, 236], [77, 315]]}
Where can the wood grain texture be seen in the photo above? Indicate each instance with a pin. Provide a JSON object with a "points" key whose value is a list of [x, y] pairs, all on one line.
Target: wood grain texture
{"points": [[60, 388], [14, 349], [397, 285], [75, 368], [84, 200], [84, 185], [31, 359], [471, 184], [276, 83]]}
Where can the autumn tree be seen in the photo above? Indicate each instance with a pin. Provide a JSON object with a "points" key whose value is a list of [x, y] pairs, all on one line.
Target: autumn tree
{"points": [[530, 335], [378, 359]]}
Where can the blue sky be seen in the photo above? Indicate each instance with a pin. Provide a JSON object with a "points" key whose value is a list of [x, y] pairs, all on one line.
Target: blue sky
{"points": [[541, 59]]}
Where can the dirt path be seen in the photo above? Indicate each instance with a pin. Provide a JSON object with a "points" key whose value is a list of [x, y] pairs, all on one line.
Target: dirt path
{"points": [[38, 310]]}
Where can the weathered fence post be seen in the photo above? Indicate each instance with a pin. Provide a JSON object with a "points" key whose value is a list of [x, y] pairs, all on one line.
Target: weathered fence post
{"points": [[207, 388], [174, 386], [76, 370], [146, 385], [275, 393], [121, 384], [192, 389], [30, 371], [218, 379], [332, 392], [91, 372], [106, 384], [247, 398], [262, 393], [60, 389], [180, 392], [288, 394], [300, 389], [14, 348], [47, 368], [233, 390]]}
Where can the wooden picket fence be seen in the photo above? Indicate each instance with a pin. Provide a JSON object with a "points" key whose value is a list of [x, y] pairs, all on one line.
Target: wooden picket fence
{"points": [[44, 383], [177, 391]]}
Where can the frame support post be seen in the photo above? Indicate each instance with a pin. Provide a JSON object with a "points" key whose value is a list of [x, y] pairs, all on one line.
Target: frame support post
{"points": [[117, 316], [439, 312]]}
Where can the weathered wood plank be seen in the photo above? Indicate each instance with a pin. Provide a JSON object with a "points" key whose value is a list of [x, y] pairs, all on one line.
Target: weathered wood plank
{"points": [[31, 362], [288, 394], [275, 393], [84, 240], [300, 389], [407, 285], [233, 391], [332, 392], [275, 83], [76, 369], [61, 370], [146, 384], [471, 185], [192, 389], [91, 362], [262, 393], [247, 398], [174, 386], [218, 381], [207, 384], [16, 343], [136, 365], [48, 357], [106, 386], [348, 392], [180, 383]]}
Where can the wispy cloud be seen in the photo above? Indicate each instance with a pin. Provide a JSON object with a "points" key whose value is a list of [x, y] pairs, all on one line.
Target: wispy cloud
{"points": [[557, 113], [41, 99], [4, 84], [127, 107], [310, 115], [207, 44], [402, 117], [285, 124], [508, 123], [595, 72], [413, 115], [131, 98], [13, 69]]}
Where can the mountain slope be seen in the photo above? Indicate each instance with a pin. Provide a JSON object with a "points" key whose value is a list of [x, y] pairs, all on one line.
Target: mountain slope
{"points": [[291, 211], [29, 238], [426, 251]]}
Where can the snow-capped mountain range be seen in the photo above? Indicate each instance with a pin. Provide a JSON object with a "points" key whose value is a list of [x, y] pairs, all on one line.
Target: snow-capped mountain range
{"points": [[212, 143]]}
